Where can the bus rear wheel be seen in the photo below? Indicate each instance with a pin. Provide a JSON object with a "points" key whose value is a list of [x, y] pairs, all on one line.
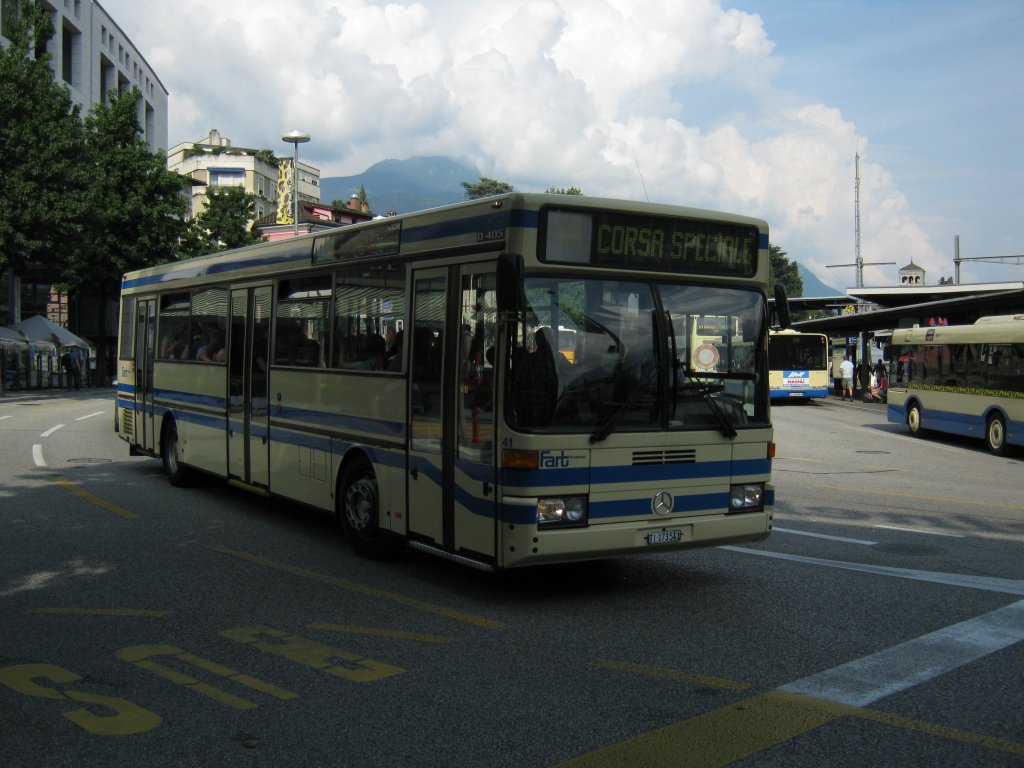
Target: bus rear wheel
{"points": [[995, 434], [358, 510], [914, 419]]}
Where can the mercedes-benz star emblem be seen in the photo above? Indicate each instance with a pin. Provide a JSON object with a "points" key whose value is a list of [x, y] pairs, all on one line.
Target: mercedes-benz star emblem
{"points": [[662, 503]]}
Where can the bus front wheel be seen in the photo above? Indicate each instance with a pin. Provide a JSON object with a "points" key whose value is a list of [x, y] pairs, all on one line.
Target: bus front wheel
{"points": [[995, 434], [170, 452], [914, 419], [358, 509]]}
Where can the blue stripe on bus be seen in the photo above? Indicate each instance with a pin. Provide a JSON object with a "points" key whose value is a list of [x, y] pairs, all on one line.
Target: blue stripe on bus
{"points": [[524, 479], [190, 398], [393, 429], [204, 269], [487, 223], [640, 507], [777, 393], [966, 425]]}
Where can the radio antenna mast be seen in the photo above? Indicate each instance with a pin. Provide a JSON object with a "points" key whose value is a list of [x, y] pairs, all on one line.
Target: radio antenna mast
{"points": [[856, 222], [642, 182], [858, 261]]}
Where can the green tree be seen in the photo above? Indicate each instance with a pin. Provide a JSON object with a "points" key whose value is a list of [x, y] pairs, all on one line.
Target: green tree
{"points": [[136, 209], [223, 224], [42, 162], [558, 191], [485, 188], [782, 270]]}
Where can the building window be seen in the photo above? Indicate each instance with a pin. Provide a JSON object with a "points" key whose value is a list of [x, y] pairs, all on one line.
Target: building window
{"points": [[71, 50], [227, 177]]}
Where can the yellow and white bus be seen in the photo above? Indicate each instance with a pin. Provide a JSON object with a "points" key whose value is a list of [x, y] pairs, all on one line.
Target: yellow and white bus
{"points": [[798, 364], [961, 379], [404, 375]]}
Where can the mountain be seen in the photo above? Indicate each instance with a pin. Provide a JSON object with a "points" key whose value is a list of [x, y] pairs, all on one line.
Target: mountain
{"points": [[813, 287], [404, 185]]}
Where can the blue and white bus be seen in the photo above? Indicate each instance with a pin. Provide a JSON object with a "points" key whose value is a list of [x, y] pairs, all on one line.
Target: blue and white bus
{"points": [[405, 375], [798, 365], [961, 379]]}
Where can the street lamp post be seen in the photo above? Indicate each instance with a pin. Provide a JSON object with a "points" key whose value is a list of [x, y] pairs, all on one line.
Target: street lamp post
{"points": [[296, 138]]}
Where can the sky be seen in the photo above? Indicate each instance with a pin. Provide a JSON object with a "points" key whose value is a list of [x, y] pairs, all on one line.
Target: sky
{"points": [[757, 107]]}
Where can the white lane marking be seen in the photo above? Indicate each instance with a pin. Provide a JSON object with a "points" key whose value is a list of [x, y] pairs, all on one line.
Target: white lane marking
{"points": [[83, 418], [51, 430], [918, 530], [823, 536], [37, 455], [862, 682], [986, 583], [4, 417]]}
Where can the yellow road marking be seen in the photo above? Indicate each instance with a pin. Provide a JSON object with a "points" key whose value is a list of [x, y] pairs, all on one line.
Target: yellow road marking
{"points": [[671, 674], [375, 632], [723, 736], [972, 502], [92, 499], [716, 738], [100, 612], [364, 589]]}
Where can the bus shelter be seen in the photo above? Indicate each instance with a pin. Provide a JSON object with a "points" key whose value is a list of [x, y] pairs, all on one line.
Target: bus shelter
{"points": [[46, 343]]}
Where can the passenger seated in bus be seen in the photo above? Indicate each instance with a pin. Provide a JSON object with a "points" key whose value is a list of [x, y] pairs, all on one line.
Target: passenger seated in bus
{"points": [[537, 383], [393, 357], [213, 350]]}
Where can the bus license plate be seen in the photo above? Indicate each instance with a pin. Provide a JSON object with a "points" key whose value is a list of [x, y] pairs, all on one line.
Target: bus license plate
{"points": [[663, 537]]}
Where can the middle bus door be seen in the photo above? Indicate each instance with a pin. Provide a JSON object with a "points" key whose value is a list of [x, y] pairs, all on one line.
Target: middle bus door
{"points": [[430, 446], [248, 353], [451, 405]]}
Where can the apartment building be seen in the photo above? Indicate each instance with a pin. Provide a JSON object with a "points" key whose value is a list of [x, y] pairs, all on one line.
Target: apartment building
{"points": [[94, 58], [212, 163]]}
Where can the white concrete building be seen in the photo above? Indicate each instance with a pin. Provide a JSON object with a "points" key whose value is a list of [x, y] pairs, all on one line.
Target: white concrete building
{"points": [[94, 58], [212, 163]]}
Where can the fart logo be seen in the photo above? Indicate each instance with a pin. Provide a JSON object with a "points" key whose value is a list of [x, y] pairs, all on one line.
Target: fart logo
{"points": [[559, 460]]}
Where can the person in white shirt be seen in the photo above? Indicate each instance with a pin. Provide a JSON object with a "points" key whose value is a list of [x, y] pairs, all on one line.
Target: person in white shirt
{"points": [[846, 371]]}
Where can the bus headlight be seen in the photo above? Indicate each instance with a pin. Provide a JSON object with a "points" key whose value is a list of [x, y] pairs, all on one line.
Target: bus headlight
{"points": [[562, 511], [748, 497]]}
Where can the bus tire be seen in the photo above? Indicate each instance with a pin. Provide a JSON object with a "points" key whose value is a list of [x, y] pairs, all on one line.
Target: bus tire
{"points": [[914, 419], [358, 510], [170, 452], [995, 434]]}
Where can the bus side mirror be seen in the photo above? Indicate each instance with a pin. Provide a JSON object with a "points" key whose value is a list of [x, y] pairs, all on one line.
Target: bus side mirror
{"points": [[782, 306], [510, 282]]}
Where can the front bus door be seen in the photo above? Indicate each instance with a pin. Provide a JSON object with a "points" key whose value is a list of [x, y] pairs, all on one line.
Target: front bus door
{"points": [[145, 352], [248, 352], [451, 467]]}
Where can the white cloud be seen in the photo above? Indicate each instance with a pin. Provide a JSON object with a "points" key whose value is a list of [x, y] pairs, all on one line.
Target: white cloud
{"points": [[619, 97]]}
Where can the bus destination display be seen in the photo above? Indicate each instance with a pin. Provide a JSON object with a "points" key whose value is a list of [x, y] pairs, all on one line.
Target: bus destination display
{"points": [[652, 243]]}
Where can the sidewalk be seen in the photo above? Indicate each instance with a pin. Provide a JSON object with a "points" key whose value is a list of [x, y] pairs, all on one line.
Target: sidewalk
{"points": [[858, 399], [85, 393]]}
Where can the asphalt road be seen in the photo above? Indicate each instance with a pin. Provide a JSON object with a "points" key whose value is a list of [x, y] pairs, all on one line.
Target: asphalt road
{"points": [[881, 623]]}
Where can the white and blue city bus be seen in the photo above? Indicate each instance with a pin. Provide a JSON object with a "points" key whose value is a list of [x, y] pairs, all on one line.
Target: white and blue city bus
{"points": [[961, 379], [798, 365], [405, 375]]}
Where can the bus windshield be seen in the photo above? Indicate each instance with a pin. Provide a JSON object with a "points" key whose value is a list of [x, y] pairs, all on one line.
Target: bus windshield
{"points": [[618, 376]]}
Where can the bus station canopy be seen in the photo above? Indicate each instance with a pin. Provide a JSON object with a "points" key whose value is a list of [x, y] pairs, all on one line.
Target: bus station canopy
{"points": [[39, 328]]}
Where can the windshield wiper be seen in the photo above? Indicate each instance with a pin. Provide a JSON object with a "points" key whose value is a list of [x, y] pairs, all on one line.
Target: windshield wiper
{"points": [[605, 427], [705, 392]]}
